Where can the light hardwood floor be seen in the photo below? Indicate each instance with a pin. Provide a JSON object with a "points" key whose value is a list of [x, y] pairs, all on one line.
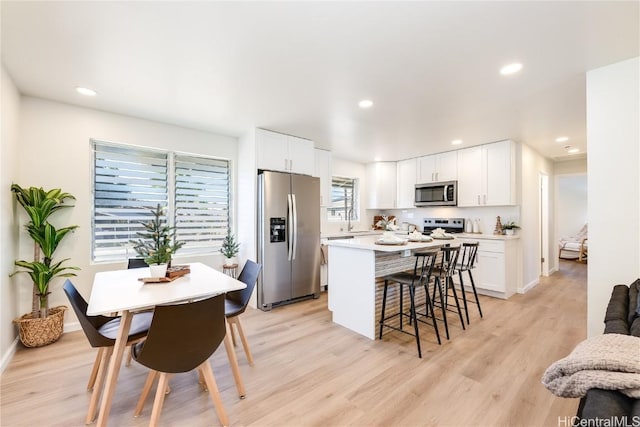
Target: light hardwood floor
{"points": [[309, 371]]}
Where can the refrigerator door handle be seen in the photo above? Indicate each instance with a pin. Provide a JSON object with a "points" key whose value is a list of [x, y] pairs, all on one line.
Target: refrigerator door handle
{"points": [[295, 226], [290, 226]]}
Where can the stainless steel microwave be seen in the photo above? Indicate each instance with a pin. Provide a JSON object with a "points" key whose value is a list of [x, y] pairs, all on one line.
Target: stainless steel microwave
{"points": [[437, 194]]}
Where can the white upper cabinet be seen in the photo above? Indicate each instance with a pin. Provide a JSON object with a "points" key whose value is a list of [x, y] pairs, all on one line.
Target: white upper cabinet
{"points": [[487, 175], [323, 171], [381, 184], [285, 153], [406, 173], [437, 167]]}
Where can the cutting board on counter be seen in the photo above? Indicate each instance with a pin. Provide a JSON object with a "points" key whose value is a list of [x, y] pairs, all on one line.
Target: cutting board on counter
{"points": [[377, 218]]}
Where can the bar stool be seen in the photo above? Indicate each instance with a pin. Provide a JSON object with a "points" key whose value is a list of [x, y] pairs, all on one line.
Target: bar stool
{"points": [[467, 262], [443, 272], [230, 270], [420, 277]]}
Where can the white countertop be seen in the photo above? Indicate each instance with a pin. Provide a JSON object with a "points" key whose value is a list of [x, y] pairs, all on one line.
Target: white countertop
{"points": [[359, 234], [368, 243], [339, 234], [487, 236]]}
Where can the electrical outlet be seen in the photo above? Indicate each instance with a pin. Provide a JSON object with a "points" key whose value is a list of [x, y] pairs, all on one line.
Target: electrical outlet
{"points": [[406, 253]]}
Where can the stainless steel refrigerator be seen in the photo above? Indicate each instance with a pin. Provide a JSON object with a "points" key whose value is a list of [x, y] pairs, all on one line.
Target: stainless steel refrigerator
{"points": [[288, 238]]}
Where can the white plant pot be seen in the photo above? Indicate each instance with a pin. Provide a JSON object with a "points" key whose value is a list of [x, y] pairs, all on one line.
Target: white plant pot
{"points": [[158, 270], [509, 232], [228, 261]]}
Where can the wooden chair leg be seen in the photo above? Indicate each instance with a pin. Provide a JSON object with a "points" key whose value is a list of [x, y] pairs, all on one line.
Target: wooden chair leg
{"points": [[213, 391], [128, 362], [94, 370], [145, 392], [201, 381], [233, 334], [159, 400], [97, 387], [245, 343], [233, 361]]}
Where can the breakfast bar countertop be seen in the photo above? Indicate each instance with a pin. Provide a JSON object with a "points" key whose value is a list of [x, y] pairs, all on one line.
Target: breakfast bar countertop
{"points": [[369, 243]]}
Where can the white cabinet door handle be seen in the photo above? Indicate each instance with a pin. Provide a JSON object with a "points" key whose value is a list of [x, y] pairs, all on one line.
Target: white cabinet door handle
{"points": [[484, 199], [478, 199]]}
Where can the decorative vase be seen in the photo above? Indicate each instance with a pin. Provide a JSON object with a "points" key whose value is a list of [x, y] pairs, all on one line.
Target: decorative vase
{"points": [[158, 270]]}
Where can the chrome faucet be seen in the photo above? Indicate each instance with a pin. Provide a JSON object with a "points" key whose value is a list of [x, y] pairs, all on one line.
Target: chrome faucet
{"points": [[349, 215]]}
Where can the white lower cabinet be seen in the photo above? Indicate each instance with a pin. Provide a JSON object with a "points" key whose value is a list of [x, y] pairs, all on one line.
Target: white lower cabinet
{"points": [[498, 267]]}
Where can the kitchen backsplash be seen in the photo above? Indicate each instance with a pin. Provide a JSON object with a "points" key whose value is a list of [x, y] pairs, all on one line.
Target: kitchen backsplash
{"points": [[486, 215]]}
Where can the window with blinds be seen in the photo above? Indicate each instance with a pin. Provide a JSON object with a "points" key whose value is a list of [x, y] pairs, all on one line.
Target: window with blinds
{"points": [[201, 203], [128, 182], [344, 196]]}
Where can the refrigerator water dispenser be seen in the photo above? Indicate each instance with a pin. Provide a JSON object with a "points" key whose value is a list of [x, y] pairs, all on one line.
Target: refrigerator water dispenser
{"points": [[277, 230]]}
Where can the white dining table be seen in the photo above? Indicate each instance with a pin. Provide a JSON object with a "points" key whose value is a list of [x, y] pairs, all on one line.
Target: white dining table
{"points": [[121, 291]]}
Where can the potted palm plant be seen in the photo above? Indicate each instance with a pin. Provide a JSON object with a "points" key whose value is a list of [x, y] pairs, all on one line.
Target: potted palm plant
{"points": [[230, 247], [157, 243], [43, 325]]}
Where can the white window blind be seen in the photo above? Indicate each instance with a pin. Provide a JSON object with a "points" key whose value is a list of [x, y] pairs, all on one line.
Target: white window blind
{"points": [[129, 182], [201, 203], [343, 199]]}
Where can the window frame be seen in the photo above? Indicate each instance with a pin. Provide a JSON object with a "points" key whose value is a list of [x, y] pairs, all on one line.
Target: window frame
{"points": [[171, 209], [355, 203]]}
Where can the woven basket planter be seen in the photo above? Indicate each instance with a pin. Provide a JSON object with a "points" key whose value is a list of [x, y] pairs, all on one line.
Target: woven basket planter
{"points": [[38, 332]]}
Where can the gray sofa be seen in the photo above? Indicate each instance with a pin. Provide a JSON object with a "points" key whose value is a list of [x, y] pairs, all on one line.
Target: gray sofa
{"points": [[623, 317]]}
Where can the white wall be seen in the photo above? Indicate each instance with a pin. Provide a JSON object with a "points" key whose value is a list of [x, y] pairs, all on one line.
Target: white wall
{"points": [[531, 165], [613, 140], [577, 166], [571, 204], [9, 124], [55, 153]]}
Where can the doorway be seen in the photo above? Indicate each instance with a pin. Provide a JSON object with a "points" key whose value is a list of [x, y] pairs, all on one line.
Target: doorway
{"points": [[543, 232]]}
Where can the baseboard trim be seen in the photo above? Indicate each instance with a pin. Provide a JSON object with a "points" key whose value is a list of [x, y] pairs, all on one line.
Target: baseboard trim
{"points": [[529, 286], [71, 327], [6, 358]]}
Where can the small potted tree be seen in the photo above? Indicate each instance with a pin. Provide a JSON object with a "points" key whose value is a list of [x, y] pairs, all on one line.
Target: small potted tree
{"points": [[230, 248], [43, 325], [157, 243]]}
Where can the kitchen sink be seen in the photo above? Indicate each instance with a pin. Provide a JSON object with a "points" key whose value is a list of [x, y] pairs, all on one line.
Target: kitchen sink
{"points": [[339, 237]]}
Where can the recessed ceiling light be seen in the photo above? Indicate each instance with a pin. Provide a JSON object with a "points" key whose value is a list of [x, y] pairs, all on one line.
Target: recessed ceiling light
{"points": [[456, 142], [562, 139], [573, 150], [365, 103], [86, 91], [511, 68]]}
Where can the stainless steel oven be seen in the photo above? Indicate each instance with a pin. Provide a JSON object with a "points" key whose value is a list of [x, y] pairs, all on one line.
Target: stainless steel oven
{"points": [[437, 194]]}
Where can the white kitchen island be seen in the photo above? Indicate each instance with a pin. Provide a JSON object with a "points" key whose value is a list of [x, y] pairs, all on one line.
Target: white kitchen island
{"points": [[355, 269]]}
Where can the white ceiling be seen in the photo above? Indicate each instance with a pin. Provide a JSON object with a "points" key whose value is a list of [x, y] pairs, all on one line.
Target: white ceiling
{"points": [[431, 68]]}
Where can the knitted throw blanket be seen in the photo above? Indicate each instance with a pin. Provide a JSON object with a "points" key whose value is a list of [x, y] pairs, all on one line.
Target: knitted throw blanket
{"points": [[609, 362]]}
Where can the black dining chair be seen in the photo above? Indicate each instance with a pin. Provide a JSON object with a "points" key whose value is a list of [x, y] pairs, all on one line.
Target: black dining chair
{"points": [[136, 263], [101, 331], [235, 303], [181, 338]]}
